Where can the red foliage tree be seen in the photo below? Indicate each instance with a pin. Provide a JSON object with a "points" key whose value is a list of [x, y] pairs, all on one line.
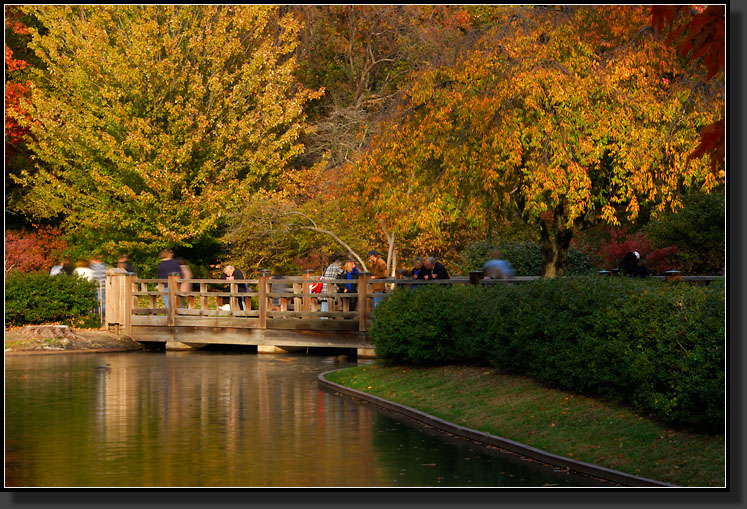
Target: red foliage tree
{"points": [[313, 261], [31, 251], [657, 260], [699, 32], [13, 90]]}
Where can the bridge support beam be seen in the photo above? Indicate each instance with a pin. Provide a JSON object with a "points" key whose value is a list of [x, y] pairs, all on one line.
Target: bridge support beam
{"points": [[366, 352], [271, 349], [177, 345]]}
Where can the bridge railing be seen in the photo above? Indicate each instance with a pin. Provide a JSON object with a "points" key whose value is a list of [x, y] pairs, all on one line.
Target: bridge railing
{"points": [[269, 301]]}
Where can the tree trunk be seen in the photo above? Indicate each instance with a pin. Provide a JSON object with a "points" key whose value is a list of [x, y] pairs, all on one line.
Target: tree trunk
{"points": [[394, 263], [554, 241], [391, 260]]}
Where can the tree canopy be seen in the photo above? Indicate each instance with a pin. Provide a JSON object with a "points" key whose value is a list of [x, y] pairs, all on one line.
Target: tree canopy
{"points": [[565, 115], [278, 135], [148, 124]]}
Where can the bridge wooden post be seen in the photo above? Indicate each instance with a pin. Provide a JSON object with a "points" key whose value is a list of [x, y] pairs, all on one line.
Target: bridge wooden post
{"points": [[297, 301], [233, 301], [130, 302], [264, 277], [307, 289], [203, 298], [173, 285], [118, 297], [363, 278]]}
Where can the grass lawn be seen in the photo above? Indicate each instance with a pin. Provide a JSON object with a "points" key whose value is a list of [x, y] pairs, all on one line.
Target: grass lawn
{"points": [[523, 409]]}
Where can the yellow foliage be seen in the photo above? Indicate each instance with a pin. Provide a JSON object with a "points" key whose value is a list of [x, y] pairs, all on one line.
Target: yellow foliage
{"points": [[165, 116]]}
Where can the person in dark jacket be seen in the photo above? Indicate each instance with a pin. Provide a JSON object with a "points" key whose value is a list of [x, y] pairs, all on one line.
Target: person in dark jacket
{"points": [[628, 264], [434, 270], [167, 266], [231, 273], [123, 262], [280, 287]]}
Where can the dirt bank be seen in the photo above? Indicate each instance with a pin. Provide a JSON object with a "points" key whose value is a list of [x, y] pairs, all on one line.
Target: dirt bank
{"points": [[64, 339]]}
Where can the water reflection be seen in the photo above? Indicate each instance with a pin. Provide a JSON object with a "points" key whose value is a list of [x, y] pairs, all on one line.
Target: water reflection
{"points": [[221, 419]]}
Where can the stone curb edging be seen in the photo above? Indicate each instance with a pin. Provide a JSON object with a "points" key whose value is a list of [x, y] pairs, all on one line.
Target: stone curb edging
{"points": [[14, 353], [581, 467]]}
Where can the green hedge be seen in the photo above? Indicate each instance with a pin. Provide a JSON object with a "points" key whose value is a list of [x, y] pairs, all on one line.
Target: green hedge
{"points": [[656, 345], [38, 298]]}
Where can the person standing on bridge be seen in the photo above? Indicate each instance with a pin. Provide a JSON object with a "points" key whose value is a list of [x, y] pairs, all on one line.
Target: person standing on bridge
{"points": [[186, 286], [167, 266], [99, 275], [65, 267], [123, 262], [333, 271], [378, 271], [350, 273]]}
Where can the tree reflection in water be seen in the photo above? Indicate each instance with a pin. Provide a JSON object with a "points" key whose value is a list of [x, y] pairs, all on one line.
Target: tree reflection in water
{"points": [[193, 419]]}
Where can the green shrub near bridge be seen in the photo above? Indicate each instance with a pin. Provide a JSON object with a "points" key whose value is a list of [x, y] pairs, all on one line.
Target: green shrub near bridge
{"points": [[38, 298], [656, 345]]}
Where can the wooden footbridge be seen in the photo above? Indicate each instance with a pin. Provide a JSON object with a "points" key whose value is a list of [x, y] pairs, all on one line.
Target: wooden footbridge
{"points": [[275, 314]]}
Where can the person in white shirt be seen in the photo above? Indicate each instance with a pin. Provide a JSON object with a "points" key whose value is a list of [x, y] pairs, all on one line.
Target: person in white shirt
{"points": [[83, 270]]}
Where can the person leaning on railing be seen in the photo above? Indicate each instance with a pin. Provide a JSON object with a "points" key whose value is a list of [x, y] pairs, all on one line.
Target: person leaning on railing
{"points": [[418, 270], [231, 273], [434, 270]]}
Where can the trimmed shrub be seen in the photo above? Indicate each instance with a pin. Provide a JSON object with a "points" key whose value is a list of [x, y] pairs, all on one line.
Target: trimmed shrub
{"points": [[38, 298], [656, 345]]}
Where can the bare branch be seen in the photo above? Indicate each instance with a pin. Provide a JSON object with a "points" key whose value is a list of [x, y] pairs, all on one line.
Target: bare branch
{"points": [[339, 241]]}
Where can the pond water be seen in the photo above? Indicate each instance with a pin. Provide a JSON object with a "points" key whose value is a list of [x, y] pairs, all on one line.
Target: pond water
{"points": [[223, 419]]}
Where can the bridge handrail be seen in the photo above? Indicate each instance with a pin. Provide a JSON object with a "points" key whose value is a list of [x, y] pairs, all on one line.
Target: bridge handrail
{"points": [[125, 299]]}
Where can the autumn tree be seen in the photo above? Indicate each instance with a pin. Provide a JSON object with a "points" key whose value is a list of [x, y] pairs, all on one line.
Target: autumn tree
{"points": [[14, 90], [560, 115], [699, 33], [17, 58], [363, 56], [151, 123]]}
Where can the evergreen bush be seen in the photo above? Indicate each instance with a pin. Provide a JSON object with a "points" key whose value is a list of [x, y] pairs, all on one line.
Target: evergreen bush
{"points": [[656, 345], [38, 298]]}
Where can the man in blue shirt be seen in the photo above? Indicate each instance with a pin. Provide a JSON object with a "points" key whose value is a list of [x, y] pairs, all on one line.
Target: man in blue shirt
{"points": [[497, 267]]}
